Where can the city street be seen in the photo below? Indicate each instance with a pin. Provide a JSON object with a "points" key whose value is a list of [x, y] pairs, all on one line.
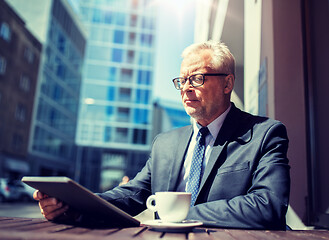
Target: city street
{"points": [[15, 209]]}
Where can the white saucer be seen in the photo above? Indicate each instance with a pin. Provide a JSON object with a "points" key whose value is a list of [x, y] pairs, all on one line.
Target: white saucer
{"points": [[184, 226]]}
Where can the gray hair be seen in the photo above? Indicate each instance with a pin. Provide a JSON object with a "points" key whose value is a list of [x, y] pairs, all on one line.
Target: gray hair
{"points": [[222, 58]]}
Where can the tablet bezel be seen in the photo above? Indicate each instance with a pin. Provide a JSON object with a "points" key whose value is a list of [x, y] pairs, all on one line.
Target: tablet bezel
{"points": [[80, 198]]}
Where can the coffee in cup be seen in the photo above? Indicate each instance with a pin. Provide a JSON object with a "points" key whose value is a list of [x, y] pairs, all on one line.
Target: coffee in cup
{"points": [[171, 206]]}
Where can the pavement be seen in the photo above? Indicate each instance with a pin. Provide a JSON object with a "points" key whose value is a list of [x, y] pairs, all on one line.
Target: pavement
{"points": [[16, 209]]}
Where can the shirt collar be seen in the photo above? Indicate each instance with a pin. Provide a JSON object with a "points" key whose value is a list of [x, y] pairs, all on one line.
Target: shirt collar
{"points": [[214, 126]]}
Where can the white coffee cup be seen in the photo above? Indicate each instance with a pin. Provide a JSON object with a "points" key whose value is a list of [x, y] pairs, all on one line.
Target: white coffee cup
{"points": [[171, 206]]}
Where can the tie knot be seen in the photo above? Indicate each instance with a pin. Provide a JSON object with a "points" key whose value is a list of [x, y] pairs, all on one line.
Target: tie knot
{"points": [[204, 131]]}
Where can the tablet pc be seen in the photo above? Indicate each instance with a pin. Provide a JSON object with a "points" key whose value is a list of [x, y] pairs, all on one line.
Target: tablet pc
{"points": [[81, 199]]}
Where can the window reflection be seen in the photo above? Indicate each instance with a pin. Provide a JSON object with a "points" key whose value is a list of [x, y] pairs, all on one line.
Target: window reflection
{"points": [[117, 55], [5, 32]]}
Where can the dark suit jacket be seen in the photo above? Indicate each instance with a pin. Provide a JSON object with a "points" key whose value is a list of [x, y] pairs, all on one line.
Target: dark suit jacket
{"points": [[245, 184]]}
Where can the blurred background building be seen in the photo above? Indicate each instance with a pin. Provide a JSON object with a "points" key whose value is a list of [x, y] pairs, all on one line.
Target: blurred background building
{"points": [[93, 113], [115, 120], [52, 139], [19, 63]]}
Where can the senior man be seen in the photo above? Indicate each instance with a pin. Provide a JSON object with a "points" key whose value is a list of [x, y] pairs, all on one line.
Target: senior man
{"points": [[234, 164]]}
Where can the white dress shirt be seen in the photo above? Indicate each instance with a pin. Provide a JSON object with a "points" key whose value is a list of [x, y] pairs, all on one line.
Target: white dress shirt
{"points": [[214, 128]]}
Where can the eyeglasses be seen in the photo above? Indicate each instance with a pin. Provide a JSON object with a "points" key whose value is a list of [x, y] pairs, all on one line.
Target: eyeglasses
{"points": [[196, 80]]}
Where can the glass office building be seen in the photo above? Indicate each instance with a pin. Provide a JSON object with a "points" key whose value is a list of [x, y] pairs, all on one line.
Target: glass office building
{"points": [[52, 149], [115, 119]]}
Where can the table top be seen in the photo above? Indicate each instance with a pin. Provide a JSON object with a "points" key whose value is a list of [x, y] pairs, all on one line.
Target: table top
{"points": [[33, 228]]}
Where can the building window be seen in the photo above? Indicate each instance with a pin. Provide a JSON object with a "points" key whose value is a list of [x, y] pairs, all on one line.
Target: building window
{"points": [[119, 36], [29, 55], [125, 94], [61, 43], [121, 135], [109, 111], [17, 142], [57, 93], [126, 75], [3, 64], [146, 39], [130, 56], [24, 83], [60, 70], [112, 74], [139, 136], [111, 93], [20, 113], [97, 15], [145, 59], [108, 17], [117, 55], [144, 77], [142, 96], [133, 20], [132, 38], [107, 134], [141, 116], [123, 114], [5, 31]]}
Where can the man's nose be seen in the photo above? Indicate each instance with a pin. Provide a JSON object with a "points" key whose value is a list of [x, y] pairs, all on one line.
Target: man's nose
{"points": [[187, 86]]}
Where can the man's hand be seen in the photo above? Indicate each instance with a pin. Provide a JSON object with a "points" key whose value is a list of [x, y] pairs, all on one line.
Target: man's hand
{"points": [[51, 208]]}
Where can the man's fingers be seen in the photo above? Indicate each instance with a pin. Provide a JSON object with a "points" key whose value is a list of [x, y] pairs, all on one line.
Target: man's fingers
{"points": [[50, 201], [50, 207], [53, 213], [37, 195]]}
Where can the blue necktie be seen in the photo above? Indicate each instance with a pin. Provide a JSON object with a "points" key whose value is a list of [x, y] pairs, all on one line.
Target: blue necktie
{"points": [[196, 165]]}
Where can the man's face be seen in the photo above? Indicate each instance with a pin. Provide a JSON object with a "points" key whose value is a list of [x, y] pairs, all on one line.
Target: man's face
{"points": [[205, 103]]}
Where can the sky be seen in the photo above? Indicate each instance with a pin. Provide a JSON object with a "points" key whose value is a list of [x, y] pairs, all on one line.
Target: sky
{"points": [[175, 31]]}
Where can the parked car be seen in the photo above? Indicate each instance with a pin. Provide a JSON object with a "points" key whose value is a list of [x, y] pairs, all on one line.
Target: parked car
{"points": [[20, 191], [5, 194]]}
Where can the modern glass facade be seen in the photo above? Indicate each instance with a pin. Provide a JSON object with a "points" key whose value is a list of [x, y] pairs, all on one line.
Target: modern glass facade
{"points": [[116, 98], [115, 116], [52, 141]]}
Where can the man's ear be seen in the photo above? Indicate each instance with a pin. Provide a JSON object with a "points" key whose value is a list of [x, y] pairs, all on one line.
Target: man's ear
{"points": [[229, 80]]}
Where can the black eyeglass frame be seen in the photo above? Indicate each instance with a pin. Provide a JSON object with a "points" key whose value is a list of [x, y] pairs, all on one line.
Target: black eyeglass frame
{"points": [[179, 86]]}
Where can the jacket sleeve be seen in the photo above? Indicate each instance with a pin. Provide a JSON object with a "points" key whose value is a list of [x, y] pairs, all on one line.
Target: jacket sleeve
{"points": [[265, 203]]}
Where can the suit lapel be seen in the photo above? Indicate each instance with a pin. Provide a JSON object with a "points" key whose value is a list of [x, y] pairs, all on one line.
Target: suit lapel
{"points": [[225, 134], [216, 151], [183, 141]]}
